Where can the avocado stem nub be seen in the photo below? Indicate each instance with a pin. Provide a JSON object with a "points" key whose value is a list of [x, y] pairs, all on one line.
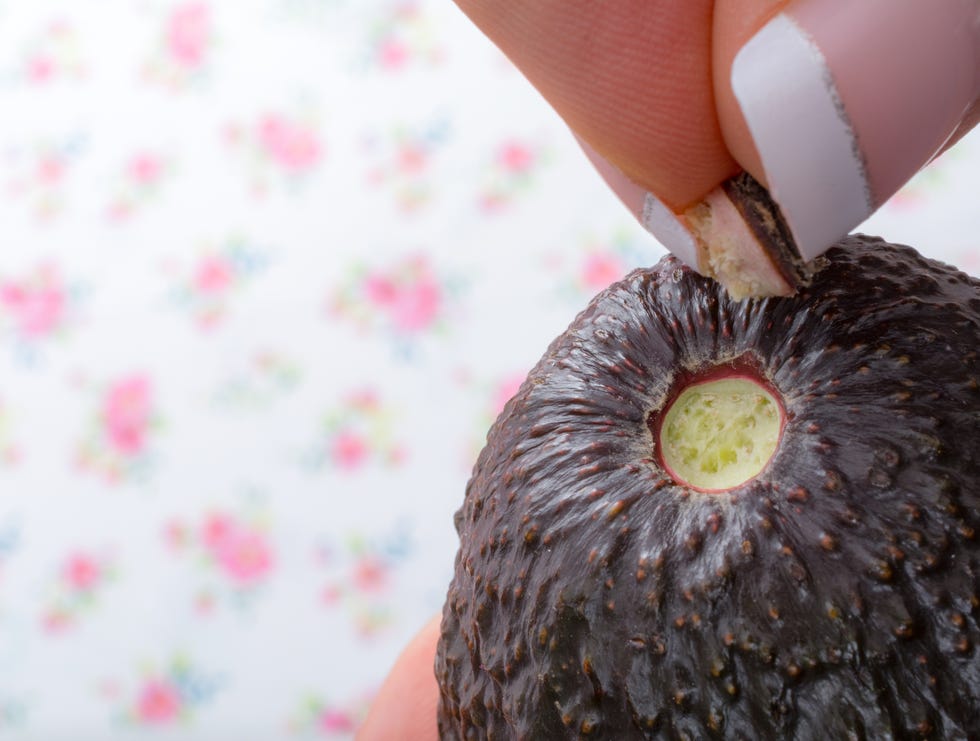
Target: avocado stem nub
{"points": [[720, 432]]}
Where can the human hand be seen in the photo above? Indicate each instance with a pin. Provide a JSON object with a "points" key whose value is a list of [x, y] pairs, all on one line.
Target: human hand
{"points": [[405, 706], [647, 87], [832, 105]]}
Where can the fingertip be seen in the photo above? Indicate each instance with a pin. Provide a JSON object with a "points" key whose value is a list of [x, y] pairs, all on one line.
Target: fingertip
{"points": [[734, 23], [406, 705], [633, 79], [835, 105]]}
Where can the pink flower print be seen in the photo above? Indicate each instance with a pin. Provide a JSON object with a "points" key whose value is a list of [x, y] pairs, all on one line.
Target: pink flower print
{"points": [[515, 157], [82, 572], [380, 290], [175, 534], [50, 169], [599, 270], [365, 399], [145, 168], [126, 414], [40, 69], [411, 159], [294, 147], [412, 304], [37, 307], [245, 557], [393, 54], [56, 621], [216, 531], [417, 305], [349, 450], [213, 275], [158, 702], [370, 574], [141, 177], [188, 33], [336, 721]]}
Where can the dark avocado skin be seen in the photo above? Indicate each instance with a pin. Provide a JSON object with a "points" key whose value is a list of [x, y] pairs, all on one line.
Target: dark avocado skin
{"points": [[835, 596]]}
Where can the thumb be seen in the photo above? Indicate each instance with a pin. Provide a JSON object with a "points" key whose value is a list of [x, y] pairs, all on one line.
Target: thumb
{"points": [[836, 104], [635, 82]]}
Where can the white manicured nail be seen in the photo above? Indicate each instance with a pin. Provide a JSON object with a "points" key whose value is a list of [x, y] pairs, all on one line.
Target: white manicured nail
{"points": [[846, 101], [667, 227], [734, 234], [813, 166], [670, 230]]}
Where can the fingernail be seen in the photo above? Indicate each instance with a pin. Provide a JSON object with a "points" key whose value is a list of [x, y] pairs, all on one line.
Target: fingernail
{"points": [[846, 101], [667, 227], [745, 244], [735, 234]]}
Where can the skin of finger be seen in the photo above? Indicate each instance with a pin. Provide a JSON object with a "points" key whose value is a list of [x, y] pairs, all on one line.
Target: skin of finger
{"points": [[632, 78], [735, 22], [405, 706], [970, 120]]}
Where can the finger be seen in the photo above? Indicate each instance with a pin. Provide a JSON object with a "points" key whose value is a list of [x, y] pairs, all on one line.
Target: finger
{"points": [[405, 706], [631, 78], [970, 120], [863, 95]]}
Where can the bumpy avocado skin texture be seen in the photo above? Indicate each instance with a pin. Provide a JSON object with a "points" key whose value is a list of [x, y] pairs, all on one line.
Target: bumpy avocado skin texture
{"points": [[836, 595]]}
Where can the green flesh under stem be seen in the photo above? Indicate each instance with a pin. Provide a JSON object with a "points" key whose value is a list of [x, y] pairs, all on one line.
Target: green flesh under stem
{"points": [[719, 434]]}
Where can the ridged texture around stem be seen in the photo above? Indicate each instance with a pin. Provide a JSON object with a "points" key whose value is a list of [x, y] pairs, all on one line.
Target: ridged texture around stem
{"points": [[834, 596]]}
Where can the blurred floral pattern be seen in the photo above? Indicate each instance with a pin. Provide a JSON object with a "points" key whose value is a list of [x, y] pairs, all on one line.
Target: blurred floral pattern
{"points": [[268, 272], [75, 589], [116, 445]]}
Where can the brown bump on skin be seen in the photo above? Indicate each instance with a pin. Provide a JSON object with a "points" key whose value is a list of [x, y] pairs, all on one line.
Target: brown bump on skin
{"points": [[828, 542], [615, 509], [798, 494], [905, 630], [896, 553], [882, 571], [714, 522]]}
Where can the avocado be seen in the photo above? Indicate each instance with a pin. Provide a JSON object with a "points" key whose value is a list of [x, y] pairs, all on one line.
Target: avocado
{"points": [[828, 588]]}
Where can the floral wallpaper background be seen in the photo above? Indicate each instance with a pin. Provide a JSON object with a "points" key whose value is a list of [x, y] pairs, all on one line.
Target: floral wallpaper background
{"points": [[268, 270]]}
